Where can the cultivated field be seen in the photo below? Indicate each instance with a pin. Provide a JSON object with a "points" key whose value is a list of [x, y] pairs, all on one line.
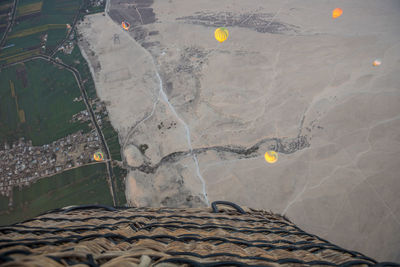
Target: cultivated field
{"points": [[77, 61], [36, 102], [58, 191], [51, 12], [39, 27], [29, 9], [112, 140], [6, 5], [119, 185], [45, 94], [5, 8]]}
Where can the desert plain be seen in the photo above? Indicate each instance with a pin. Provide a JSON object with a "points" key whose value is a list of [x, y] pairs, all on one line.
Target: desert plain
{"points": [[195, 116]]}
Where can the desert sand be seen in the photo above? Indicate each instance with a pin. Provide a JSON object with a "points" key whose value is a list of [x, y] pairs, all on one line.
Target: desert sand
{"points": [[195, 116]]}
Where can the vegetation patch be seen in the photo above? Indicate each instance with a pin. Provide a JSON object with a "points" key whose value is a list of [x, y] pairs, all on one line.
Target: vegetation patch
{"points": [[112, 140], [5, 8], [143, 148], [29, 8], [38, 29], [6, 5], [20, 56], [76, 60], [38, 100], [57, 191], [40, 26], [45, 94], [119, 185], [3, 18]]}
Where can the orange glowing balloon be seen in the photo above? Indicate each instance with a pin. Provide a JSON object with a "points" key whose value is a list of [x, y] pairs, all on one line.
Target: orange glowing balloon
{"points": [[337, 12], [271, 156], [125, 25], [98, 156]]}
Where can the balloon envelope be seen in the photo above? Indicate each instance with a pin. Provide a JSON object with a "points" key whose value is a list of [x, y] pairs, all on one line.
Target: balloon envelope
{"points": [[221, 34], [125, 25], [98, 156], [376, 63], [337, 12], [271, 156]]}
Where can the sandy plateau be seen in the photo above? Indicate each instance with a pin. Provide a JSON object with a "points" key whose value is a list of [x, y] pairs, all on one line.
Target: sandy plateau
{"points": [[195, 116]]}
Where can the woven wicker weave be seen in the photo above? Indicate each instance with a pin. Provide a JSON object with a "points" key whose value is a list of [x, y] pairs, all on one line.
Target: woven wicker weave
{"points": [[229, 236]]}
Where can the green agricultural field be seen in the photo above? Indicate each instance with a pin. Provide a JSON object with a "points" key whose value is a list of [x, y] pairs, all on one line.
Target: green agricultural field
{"points": [[46, 94], [119, 185], [52, 12], [35, 19], [21, 44], [27, 9], [3, 21], [54, 37], [5, 8], [36, 102], [58, 191], [3, 203], [38, 29], [6, 5], [76, 60], [112, 140], [11, 58]]}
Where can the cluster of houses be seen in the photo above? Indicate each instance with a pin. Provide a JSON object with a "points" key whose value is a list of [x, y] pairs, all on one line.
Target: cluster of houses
{"points": [[21, 163]]}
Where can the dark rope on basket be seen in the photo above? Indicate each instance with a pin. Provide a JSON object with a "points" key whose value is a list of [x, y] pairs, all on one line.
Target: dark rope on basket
{"points": [[53, 230], [151, 226], [203, 264], [386, 264], [112, 237], [104, 218], [91, 262], [235, 263], [82, 207], [227, 203]]}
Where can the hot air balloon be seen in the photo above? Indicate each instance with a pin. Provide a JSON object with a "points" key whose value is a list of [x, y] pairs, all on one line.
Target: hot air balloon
{"points": [[221, 34], [125, 25], [98, 156], [271, 156], [376, 63], [337, 12]]}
